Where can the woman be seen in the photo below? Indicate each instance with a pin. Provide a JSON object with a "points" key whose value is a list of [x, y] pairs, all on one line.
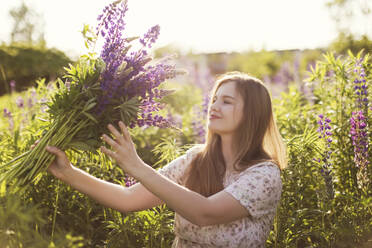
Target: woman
{"points": [[224, 192]]}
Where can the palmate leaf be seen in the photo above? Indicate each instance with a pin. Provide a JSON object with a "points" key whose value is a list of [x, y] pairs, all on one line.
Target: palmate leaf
{"points": [[128, 109], [86, 71], [90, 117]]}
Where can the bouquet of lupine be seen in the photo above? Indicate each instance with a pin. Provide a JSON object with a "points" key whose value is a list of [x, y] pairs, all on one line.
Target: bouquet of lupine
{"points": [[121, 83]]}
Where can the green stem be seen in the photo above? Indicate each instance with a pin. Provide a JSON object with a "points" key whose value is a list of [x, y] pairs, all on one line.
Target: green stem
{"points": [[55, 210]]}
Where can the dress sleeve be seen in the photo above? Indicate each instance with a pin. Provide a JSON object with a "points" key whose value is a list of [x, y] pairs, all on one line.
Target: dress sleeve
{"points": [[175, 169], [258, 189]]}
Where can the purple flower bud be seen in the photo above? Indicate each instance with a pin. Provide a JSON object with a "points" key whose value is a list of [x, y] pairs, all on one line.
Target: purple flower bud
{"points": [[20, 102], [362, 125], [12, 85]]}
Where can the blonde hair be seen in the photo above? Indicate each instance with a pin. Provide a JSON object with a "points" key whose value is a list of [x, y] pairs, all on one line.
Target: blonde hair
{"points": [[256, 140]]}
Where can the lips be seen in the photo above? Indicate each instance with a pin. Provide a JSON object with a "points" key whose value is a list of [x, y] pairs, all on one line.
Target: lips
{"points": [[214, 117]]}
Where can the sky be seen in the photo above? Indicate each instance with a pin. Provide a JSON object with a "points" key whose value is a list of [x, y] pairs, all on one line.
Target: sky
{"points": [[199, 26]]}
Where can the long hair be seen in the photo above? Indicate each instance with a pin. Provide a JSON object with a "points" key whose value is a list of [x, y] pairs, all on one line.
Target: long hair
{"points": [[257, 138]]}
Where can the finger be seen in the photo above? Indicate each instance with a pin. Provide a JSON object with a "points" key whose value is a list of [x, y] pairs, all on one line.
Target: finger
{"points": [[110, 141], [55, 151], [116, 133], [108, 152], [125, 131]]}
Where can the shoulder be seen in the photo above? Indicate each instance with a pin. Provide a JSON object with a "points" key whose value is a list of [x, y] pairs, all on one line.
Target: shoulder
{"points": [[264, 166], [267, 169], [194, 150]]}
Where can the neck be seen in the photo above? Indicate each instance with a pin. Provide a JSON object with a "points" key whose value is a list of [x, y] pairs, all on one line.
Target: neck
{"points": [[227, 150]]}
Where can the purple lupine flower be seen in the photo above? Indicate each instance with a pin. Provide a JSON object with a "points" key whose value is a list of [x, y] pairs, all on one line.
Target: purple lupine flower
{"points": [[175, 119], [151, 36], [111, 26], [8, 114], [44, 106], [198, 124], [32, 98], [358, 120], [326, 169], [127, 73], [20, 102], [360, 86], [296, 66], [12, 86], [129, 181], [284, 75], [359, 136], [30, 102]]}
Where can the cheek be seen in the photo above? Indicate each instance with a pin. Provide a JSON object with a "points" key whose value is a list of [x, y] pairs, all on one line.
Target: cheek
{"points": [[238, 114]]}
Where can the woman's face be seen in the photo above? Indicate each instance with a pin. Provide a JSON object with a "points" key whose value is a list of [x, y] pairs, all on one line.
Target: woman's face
{"points": [[226, 110]]}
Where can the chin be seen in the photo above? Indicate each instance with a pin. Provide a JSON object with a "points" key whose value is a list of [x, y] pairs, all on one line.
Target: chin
{"points": [[212, 128]]}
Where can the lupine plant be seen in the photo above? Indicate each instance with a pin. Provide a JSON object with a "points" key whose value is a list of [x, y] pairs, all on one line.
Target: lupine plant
{"points": [[325, 134], [199, 121], [305, 217], [359, 124]]}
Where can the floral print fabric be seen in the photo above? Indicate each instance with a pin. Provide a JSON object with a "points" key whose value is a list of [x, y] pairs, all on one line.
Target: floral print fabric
{"points": [[257, 188]]}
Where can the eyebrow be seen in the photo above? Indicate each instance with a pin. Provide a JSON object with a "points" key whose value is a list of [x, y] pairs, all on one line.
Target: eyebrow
{"points": [[226, 96]]}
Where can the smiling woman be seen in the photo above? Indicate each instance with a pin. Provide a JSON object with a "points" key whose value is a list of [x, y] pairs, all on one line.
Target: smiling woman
{"points": [[225, 192]]}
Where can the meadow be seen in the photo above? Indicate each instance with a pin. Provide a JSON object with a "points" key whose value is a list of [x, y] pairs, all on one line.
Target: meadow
{"points": [[324, 117]]}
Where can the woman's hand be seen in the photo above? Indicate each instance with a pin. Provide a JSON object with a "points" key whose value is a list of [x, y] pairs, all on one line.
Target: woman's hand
{"points": [[124, 151], [60, 165]]}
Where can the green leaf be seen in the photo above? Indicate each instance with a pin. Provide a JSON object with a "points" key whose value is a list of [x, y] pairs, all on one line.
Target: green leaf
{"points": [[3, 188], [90, 117], [81, 146]]}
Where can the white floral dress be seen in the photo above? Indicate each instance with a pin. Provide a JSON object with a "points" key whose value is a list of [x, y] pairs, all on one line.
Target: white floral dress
{"points": [[257, 188]]}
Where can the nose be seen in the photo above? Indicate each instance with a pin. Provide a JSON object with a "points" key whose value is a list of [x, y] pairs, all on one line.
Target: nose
{"points": [[214, 107]]}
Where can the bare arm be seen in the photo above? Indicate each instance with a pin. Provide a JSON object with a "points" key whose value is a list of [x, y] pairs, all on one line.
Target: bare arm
{"points": [[134, 198], [198, 209]]}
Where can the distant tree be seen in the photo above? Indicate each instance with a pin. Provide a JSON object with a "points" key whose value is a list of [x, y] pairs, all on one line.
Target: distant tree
{"points": [[27, 27], [353, 21], [347, 12]]}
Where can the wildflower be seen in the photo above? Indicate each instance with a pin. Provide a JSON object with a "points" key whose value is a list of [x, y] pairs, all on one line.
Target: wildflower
{"points": [[198, 124], [175, 119], [358, 123], [126, 73], [284, 75], [360, 86], [359, 136], [7, 114], [326, 170], [20, 102], [12, 86], [151, 36], [129, 180], [32, 98]]}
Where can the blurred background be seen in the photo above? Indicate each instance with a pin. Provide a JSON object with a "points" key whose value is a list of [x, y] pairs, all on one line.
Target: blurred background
{"points": [[276, 41]]}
